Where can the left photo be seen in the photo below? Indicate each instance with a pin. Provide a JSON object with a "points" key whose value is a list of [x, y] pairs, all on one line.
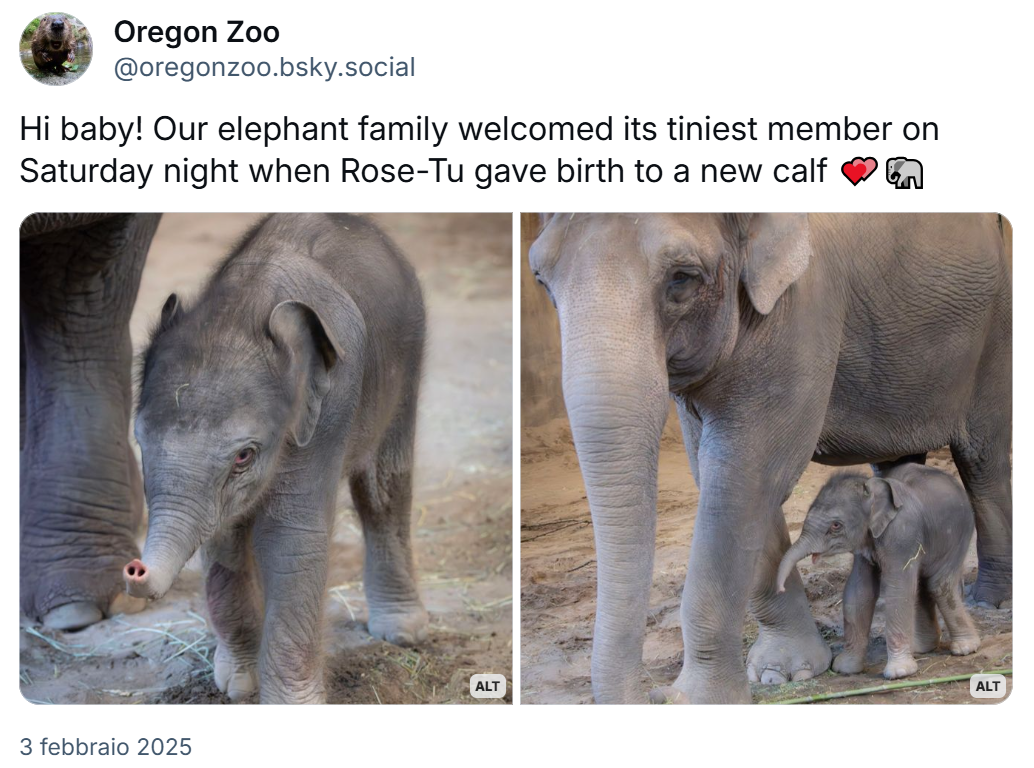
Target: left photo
{"points": [[265, 458]]}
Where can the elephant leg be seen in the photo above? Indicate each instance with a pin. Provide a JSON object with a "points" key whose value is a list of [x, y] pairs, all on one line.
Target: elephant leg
{"points": [[291, 540], [965, 639], [928, 629], [80, 488], [233, 609], [789, 646], [738, 540], [21, 388], [986, 473], [382, 494], [860, 594], [900, 587]]}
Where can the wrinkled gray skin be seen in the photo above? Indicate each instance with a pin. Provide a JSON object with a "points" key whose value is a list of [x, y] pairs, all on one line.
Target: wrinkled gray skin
{"points": [[298, 365], [81, 494], [782, 338], [909, 531]]}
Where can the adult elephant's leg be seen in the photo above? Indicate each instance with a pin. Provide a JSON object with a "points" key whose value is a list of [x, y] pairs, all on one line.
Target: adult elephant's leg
{"points": [[981, 453], [737, 519], [80, 490], [744, 474], [789, 647], [986, 473], [21, 388]]}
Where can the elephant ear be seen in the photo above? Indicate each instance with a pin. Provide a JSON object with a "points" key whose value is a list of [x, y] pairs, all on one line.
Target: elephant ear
{"points": [[778, 251], [887, 496], [169, 312], [299, 329]]}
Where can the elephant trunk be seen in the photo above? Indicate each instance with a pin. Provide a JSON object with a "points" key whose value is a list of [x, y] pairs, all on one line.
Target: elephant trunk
{"points": [[806, 545], [616, 392], [176, 527]]}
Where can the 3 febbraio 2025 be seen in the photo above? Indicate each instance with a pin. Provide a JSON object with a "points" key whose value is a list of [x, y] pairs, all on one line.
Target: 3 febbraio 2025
{"points": [[144, 747]]}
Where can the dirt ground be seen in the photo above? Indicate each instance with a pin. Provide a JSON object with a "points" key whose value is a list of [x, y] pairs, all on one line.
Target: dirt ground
{"points": [[558, 586], [462, 500]]}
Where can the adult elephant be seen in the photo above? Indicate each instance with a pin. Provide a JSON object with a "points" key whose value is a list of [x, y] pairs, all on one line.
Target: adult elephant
{"points": [[782, 338], [81, 493]]}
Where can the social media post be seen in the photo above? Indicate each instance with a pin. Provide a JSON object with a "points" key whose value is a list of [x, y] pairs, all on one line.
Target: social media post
{"points": [[271, 458]]}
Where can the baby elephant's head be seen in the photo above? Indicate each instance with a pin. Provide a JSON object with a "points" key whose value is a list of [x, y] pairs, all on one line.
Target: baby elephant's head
{"points": [[849, 510], [219, 398]]}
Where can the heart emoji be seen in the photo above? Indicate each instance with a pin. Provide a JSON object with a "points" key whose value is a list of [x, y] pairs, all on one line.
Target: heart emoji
{"points": [[859, 169]]}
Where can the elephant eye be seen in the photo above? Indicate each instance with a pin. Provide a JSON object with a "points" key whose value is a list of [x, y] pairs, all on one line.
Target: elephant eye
{"points": [[835, 526], [243, 458], [682, 277]]}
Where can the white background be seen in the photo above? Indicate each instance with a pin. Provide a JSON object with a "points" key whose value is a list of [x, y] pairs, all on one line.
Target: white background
{"points": [[964, 66]]}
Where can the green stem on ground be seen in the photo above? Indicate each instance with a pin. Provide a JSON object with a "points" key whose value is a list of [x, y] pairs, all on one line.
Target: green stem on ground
{"points": [[887, 687]]}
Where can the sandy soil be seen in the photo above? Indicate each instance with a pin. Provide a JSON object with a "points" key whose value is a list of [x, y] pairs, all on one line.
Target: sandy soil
{"points": [[558, 586], [462, 506]]}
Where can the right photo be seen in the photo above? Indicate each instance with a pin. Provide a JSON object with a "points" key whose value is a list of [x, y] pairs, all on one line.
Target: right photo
{"points": [[766, 458]]}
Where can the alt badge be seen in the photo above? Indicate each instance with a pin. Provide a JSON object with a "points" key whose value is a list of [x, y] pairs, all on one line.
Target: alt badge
{"points": [[980, 686], [488, 686]]}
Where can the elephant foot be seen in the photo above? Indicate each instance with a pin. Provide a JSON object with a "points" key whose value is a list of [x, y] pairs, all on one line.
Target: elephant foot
{"points": [[79, 615], [989, 592], [964, 646], [898, 668], [71, 600], [404, 626], [72, 616], [237, 679], [668, 695], [848, 664], [703, 688], [778, 657]]}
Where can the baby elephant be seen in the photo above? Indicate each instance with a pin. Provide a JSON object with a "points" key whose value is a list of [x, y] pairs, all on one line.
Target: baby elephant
{"points": [[298, 365], [909, 531]]}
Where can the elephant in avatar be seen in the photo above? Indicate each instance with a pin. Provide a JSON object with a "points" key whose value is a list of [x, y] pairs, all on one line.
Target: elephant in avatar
{"points": [[782, 338], [81, 488]]}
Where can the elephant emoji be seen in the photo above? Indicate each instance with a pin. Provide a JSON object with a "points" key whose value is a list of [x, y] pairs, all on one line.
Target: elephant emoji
{"points": [[900, 170]]}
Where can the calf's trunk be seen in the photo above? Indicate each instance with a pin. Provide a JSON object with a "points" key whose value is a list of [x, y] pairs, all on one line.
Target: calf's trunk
{"points": [[806, 545]]}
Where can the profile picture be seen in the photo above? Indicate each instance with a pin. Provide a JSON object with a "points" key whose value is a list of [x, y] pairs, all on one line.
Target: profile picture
{"points": [[55, 48]]}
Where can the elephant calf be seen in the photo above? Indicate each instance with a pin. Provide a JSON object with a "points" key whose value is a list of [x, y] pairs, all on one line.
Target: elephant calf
{"points": [[909, 531], [299, 364]]}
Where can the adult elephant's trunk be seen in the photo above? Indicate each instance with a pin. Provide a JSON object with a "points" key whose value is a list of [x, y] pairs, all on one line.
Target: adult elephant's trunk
{"points": [[177, 526], [806, 545], [616, 391]]}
